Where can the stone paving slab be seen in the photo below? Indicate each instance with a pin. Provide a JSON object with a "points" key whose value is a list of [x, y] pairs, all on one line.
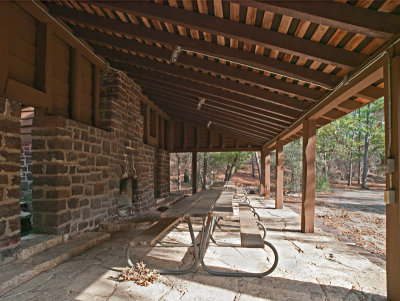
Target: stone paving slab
{"points": [[15, 273], [311, 267]]}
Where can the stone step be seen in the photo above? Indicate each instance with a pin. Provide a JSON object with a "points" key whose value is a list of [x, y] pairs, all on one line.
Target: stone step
{"points": [[33, 244], [16, 273]]}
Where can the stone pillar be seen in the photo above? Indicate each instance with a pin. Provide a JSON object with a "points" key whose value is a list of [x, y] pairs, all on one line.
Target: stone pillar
{"points": [[194, 172], [10, 149], [267, 175], [308, 182], [393, 210], [279, 176]]}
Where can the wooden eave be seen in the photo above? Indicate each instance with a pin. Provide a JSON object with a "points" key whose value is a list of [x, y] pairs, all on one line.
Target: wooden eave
{"points": [[264, 66]]}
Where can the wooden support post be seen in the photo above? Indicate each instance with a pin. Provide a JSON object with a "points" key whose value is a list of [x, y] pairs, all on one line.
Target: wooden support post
{"points": [[267, 175], [3, 46], [279, 176], [308, 182], [393, 210], [194, 172], [170, 136], [262, 176], [76, 82]]}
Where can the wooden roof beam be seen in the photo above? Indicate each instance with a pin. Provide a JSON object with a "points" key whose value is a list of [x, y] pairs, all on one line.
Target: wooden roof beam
{"points": [[211, 49], [222, 129], [182, 113], [368, 76], [214, 101], [274, 112], [191, 107], [225, 70], [209, 107], [231, 113], [337, 15], [239, 31]]}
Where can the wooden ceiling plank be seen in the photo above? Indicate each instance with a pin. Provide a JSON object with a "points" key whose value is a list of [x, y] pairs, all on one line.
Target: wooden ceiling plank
{"points": [[227, 53], [207, 110], [242, 32], [248, 91], [215, 104], [204, 92], [348, 17], [181, 111], [369, 76]]}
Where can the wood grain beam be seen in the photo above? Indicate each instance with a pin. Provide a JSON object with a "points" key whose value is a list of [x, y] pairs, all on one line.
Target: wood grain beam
{"points": [[211, 49], [337, 15], [178, 100], [366, 78], [221, 105], [191, 106], [242, 32], [275, 111], [243, 135], [180, 112], [224, 97], [208, 66], [235, 73]]}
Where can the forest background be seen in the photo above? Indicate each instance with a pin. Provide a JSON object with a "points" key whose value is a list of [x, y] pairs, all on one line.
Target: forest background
{"points": [[349, 153]]}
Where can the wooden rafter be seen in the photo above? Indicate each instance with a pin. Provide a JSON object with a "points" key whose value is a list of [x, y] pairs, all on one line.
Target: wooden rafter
{"points": [[199, 46], [348, 17], [209, 107], [225, 70], [191, 108], [188, 89], [275, 112], [205, 65], [369, 76], [242, 32]]}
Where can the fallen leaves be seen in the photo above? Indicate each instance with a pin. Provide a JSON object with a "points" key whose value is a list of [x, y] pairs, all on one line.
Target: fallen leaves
{"points": [[140, 274]]}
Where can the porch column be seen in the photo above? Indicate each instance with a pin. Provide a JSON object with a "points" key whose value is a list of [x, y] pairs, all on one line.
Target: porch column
{"points": [[279, 176], [267, 175], [308, 182], [194, 172], [393, 209], [262, 176]]}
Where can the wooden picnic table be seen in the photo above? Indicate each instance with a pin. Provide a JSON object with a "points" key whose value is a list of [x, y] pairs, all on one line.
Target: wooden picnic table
{"points": [[211, 205]]}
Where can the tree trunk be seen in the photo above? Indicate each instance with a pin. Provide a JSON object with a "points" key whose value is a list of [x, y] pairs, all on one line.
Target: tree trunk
{"points": [[233, 165], [350, 169], [359, 158], [258, 165], [179, 171], [205, 166], [186, 170], [253, 168], [366, 146]]}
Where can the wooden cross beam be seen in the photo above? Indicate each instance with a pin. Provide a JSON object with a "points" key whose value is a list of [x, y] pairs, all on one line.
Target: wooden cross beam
{"points": [[206, 48], [337, 15], [239, 31]]}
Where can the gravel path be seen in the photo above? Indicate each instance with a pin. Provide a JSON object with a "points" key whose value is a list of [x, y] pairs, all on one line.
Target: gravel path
{"points": [[358, 215]]}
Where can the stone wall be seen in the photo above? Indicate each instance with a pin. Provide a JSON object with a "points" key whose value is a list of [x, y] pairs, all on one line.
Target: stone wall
{"points": [[10, 148], [26, 174], [75, 186], [77, 169], [162, 173]]}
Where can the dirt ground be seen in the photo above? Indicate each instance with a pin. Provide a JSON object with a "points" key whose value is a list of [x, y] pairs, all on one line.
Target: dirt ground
{"points": [[356, 215]]}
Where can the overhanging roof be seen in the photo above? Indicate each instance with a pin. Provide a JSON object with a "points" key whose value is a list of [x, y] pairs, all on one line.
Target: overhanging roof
{"points": [[260, 66]]}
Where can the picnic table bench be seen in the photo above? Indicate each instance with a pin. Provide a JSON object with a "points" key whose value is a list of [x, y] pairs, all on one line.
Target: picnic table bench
{"points": [[211, 205]]}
